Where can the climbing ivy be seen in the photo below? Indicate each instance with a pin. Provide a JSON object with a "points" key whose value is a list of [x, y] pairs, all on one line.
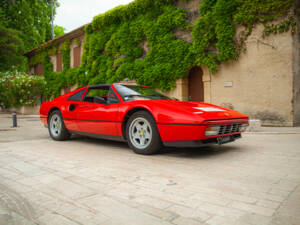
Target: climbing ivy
{"points": [[137, 41], [280, 28], [65, 50], [58, 80]]}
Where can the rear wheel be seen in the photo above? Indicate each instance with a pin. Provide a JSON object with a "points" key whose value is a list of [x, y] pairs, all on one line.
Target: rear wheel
{"points": [[142, 134], [56, 127]]}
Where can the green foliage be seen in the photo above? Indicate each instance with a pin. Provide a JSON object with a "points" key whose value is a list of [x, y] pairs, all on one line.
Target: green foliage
{"points": [[77, 41], [281, 27], [19, 89], [57, 80], [41, 53], [137, 41], [116, 50], [65, 50], [11, 49], [250, 12], [31, 17], [58, 31], [28, 24], [214, 31]]}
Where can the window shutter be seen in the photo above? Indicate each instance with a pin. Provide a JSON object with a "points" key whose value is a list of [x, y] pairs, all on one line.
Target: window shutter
{"points": [[58, 62], [76, 55], [38, 69]]}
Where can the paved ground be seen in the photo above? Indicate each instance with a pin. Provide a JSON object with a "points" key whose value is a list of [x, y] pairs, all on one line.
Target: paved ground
{"points": [[254, 181]]}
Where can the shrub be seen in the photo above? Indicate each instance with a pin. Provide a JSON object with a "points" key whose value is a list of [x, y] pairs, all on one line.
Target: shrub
{"points": [[19, 89]]}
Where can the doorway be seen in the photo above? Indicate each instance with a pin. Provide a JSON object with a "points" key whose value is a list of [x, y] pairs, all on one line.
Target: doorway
{"points": [[196, 87]]}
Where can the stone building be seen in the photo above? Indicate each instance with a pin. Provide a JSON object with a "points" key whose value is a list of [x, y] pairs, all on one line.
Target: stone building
{"points": [[76, 38], [263, 83]]}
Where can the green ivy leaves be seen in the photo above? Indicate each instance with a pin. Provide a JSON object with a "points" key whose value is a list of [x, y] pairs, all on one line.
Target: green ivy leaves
{"points": [[138, 41]]}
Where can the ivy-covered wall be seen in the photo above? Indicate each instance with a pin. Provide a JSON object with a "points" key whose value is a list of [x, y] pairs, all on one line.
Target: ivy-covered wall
{"points": [[114, 41]]}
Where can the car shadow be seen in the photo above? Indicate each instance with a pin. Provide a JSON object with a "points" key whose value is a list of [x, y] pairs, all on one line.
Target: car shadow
{"points": [[98, 141], [201, 152]]}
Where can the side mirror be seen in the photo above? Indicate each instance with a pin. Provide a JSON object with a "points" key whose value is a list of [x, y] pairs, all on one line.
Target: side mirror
{"points": [[99, 100]]}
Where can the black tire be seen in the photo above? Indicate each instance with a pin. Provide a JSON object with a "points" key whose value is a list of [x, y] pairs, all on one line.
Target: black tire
{"points": [[63, 134], [154, 144]]}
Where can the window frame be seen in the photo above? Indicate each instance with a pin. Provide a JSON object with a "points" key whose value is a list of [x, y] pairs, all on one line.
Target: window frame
{"points": [[82, 90], [101, 87]]}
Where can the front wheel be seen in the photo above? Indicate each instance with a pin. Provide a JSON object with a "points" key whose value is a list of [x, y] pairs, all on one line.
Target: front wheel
{"points": [[56, 126], [142, 134]]}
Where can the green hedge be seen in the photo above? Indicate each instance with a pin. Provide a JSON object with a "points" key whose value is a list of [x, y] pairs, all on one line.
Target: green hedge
{"points": [[20, 89]]}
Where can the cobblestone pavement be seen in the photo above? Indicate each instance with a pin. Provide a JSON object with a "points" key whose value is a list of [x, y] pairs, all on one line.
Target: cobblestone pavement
{"points": [[253, 181]]}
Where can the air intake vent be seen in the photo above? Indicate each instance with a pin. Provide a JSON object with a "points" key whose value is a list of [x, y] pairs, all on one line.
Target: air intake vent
{"points": [[230, 128]]}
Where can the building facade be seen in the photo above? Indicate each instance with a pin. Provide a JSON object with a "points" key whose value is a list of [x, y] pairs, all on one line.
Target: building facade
{"points": [[263, 83]]}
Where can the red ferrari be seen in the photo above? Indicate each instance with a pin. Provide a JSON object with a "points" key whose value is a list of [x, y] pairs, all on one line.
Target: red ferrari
{"points": [[144, 118]]}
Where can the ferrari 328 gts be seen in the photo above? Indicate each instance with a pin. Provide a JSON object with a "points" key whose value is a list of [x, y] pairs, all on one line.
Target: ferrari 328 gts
{"points": [[144, 118]]}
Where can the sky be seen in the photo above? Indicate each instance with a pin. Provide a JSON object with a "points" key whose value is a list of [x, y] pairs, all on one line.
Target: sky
{"points": [[72, 14]]}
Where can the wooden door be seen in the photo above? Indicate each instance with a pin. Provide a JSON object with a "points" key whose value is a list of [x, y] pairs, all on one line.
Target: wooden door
{"points": [[196, 89]]}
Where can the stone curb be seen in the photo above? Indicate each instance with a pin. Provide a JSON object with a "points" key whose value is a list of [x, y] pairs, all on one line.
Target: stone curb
{"points": [[260, 132], [22, 116]]}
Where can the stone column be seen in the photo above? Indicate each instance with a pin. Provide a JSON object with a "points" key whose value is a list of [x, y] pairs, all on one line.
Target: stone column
{"points": [[206, 78]]}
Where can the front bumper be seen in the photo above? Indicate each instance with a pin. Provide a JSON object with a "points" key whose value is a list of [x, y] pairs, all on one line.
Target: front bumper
{"points": [[201, 143]]}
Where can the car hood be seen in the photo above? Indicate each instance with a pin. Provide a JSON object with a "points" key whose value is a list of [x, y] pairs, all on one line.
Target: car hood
{"points": [[194, 112]]}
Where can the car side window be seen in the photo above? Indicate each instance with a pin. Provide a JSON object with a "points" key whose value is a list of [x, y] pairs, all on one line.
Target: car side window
{"points": [[111, 97], [77, 96], [102, 95]]}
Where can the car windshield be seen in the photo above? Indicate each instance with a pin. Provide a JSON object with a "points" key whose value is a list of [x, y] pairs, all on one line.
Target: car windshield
{"points": [[133, 92]]}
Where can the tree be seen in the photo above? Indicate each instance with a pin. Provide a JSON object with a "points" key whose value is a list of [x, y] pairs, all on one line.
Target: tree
{"points": [[27, 23], [58, 31], [11, 49]]}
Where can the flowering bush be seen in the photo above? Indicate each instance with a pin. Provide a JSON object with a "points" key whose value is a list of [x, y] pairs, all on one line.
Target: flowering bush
{"points": [[17, 89]]}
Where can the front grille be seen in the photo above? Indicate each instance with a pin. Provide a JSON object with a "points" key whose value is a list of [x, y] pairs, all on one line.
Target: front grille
{"points": [[230, 128]]}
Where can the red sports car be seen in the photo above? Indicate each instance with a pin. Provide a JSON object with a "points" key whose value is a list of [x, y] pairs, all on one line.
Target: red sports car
{"points": [[144, 118]]}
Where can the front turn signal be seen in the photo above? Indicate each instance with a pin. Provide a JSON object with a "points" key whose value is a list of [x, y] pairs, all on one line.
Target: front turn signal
{"points": [[212, 131]]}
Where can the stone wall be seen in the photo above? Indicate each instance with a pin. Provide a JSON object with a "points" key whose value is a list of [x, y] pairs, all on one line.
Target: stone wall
{"points": [[264, 83], [262, 79], [26, 110], [53, 61]]}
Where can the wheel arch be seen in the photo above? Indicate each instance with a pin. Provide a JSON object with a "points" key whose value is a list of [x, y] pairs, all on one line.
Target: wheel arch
{"points": [[129, 113], [51, 110]]}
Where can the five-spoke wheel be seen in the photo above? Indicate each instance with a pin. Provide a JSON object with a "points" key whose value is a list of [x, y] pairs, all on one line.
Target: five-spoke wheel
{"points": [[142, 134], [57, 127]]}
